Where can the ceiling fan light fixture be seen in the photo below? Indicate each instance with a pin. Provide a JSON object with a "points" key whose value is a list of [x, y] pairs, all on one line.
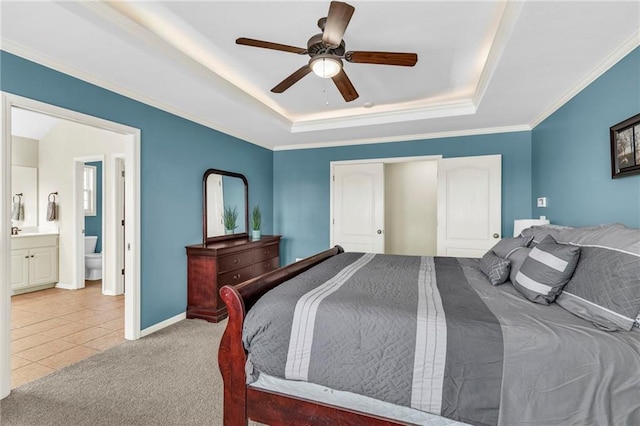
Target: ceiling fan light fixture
{"points": [[325, 66]]}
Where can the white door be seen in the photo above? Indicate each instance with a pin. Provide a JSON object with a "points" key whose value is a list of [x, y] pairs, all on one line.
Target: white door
{"points": [[469, 205], [358, 207]]}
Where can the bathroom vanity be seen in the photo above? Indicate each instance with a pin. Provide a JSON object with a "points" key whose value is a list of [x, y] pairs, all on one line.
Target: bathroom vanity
{"points": [[34, 262]]}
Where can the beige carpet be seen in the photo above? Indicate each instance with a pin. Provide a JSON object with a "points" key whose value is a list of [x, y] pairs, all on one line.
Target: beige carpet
{"points": [[170, 377]]}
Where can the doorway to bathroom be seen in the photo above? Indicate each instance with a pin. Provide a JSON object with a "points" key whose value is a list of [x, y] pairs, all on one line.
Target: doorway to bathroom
{"points": [[129, 257]]}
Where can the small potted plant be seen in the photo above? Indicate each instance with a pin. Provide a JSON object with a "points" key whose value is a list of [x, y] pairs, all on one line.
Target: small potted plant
{"points": [[229, 218], [256, 222]]}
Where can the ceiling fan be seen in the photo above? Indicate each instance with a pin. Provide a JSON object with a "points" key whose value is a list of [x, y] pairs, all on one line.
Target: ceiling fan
{"points": [[327, 50]]}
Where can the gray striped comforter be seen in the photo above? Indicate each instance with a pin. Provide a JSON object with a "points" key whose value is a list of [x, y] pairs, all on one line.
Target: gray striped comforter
{"points": [[433, 334]]}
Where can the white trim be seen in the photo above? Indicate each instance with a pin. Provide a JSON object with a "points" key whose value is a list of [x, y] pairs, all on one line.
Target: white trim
{"points": [[615, 57], [66, 286], [351, 118], [387, 160], [407, 138], [5, 249], [163, 324], [508, 19], [132, 154]]}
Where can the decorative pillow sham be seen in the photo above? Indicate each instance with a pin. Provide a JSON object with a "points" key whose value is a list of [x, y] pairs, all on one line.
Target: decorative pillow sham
{"points": [[538, 232], [495, 268], [506, 246], [546, 270], [605, 288]]}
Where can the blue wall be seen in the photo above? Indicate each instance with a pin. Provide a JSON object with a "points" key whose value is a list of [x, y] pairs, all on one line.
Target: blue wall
{"points": [[174, 154], [93, 224], [301, 182], [571, 153]]}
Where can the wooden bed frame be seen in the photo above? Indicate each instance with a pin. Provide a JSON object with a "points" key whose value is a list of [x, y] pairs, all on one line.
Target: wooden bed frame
{"points": [[241, 402]]}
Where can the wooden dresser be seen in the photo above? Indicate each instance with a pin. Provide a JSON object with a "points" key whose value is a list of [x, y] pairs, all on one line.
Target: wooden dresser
{"points": [[226, 262]]}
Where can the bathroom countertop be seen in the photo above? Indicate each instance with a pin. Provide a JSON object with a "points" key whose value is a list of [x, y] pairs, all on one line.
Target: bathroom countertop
{"points": [[34, 234]]}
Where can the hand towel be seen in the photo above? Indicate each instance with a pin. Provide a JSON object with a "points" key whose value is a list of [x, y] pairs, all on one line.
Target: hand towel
{"points": [[17, 211], [52, 210]]}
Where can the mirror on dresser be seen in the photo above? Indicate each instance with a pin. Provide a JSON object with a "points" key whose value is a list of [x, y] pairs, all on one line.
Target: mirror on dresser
{"points": [[224, 194], [225, 258]]}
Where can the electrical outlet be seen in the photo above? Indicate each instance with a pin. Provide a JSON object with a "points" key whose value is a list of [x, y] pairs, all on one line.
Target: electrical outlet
{"points": [[542, 202]]}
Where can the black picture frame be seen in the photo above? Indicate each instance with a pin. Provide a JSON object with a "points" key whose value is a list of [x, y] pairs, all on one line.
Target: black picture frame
{"points": [[625, 147]]}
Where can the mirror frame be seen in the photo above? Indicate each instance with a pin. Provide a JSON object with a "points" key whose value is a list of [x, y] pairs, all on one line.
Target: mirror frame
{"points": [[206, 240]]}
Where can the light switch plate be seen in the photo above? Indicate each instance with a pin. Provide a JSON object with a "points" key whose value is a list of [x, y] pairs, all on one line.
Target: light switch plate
{"points": [[542, 202]]}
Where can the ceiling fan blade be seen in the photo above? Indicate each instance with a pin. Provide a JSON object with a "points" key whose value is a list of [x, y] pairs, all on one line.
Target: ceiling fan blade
{"points": [[268, 45], [345, 87], [337, 21], [383, 58], [292, 79]]}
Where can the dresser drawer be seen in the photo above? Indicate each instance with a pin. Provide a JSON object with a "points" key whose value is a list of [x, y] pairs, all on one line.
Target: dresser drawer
{"points": [[264, 253], [265, 266], [235, 277], [231, 262]]}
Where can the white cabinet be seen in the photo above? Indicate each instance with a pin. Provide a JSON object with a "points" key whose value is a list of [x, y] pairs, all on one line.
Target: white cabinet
{"points": [[34, 262]]}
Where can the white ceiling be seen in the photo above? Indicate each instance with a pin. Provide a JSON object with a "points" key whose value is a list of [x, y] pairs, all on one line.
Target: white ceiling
{"points": [[483, 66]]}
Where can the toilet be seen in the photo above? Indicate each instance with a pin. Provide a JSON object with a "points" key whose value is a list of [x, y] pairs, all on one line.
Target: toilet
{"points": [[92, 260]]}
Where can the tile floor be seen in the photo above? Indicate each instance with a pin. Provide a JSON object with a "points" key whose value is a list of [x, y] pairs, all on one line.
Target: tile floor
{"points": [[53, 328]]}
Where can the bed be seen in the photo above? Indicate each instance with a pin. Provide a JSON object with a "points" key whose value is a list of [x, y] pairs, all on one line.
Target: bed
{"points": [[358, 338]]}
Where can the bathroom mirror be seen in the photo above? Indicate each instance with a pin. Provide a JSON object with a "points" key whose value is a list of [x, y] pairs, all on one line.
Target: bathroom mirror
{"points": [[223, 194]]}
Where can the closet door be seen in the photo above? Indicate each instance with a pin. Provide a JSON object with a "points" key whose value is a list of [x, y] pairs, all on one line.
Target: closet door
{"points": [[358, 207], [469, 205]]}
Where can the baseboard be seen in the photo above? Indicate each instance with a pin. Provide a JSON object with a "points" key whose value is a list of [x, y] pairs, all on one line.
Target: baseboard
{"points": [[66, 286], [163, 324]]}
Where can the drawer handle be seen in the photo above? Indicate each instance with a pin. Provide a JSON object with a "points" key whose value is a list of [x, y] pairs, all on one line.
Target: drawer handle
{"points": [[235, 260], [266, 252], [236, 277], [26, 257]]}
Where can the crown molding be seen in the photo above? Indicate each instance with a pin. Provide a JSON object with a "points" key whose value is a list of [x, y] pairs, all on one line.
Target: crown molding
{"points": [[406, 138], [507, 23], [629, 45], [28, 54], [445, 109]]}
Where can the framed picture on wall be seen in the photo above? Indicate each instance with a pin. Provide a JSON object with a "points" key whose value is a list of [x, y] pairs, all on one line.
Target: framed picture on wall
{"points": [[625, 147]]}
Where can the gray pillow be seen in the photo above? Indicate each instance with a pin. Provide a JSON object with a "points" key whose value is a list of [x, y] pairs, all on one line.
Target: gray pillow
{"points": [[495, 268], [517, 259], [546, 270], [605, 288], [538, 232], [506, 246]]}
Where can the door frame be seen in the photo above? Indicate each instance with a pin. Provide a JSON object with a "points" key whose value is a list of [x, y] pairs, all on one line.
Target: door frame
{"points": [[132, 236], [388, 160]]}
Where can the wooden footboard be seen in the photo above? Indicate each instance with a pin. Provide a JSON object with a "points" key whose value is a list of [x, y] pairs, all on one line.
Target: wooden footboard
{"points": [[242, 403]]}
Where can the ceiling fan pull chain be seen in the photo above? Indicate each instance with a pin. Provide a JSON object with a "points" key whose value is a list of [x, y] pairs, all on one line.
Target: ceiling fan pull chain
{"points": [[324, 90]]}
